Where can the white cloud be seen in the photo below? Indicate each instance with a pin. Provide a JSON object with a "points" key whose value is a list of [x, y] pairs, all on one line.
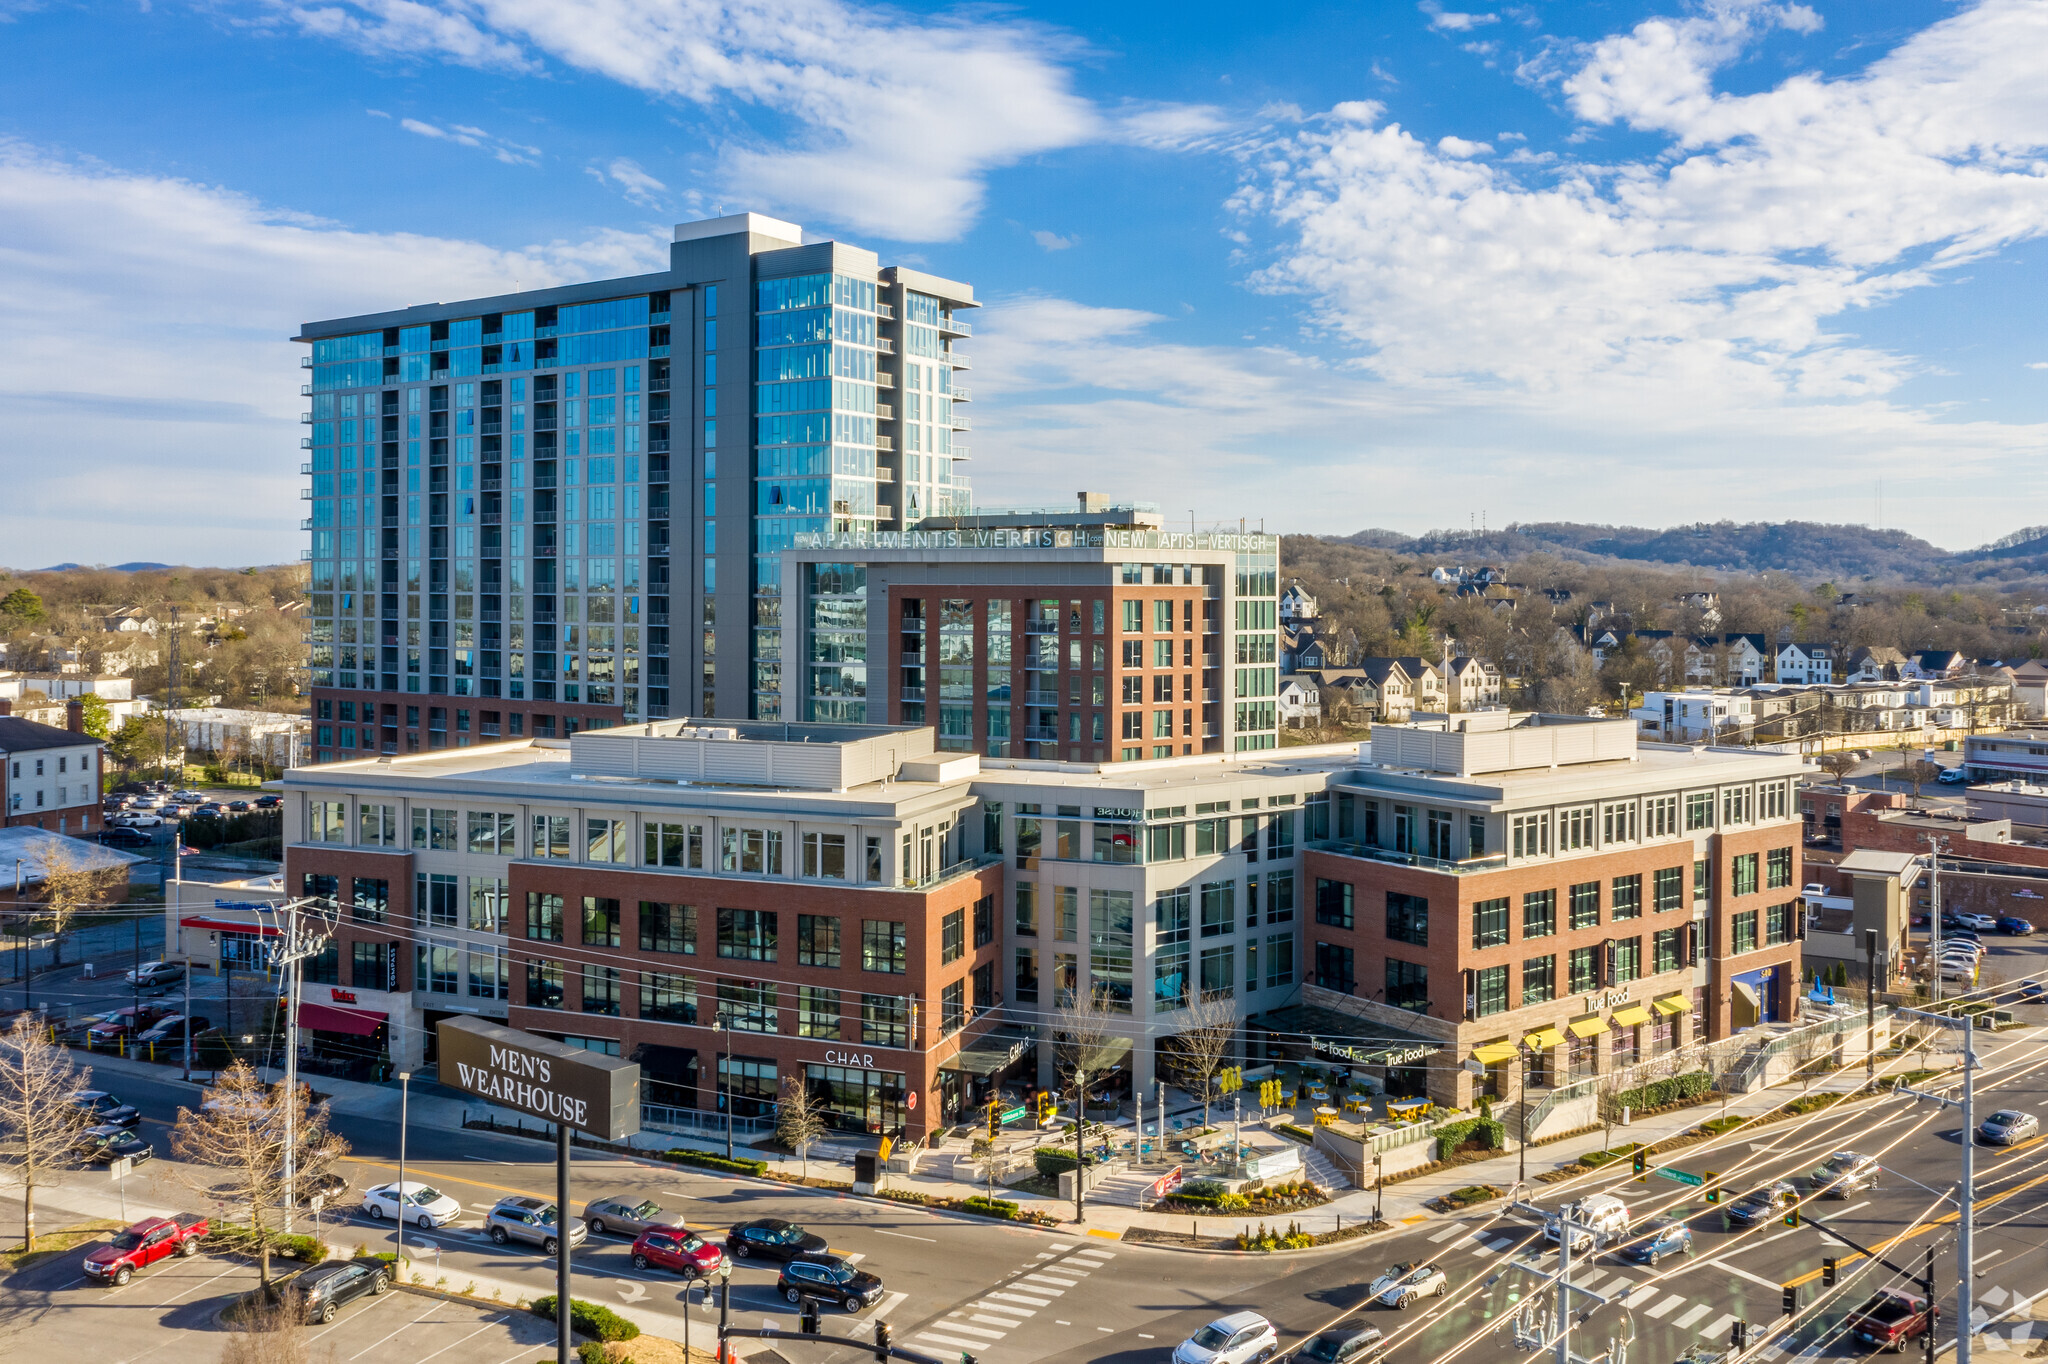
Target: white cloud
{"points": [[151, 389], [511, 153], [2037, 364], [1460, 148], [1442, 20], [883, 120], [636, 184], [1052, 241]]}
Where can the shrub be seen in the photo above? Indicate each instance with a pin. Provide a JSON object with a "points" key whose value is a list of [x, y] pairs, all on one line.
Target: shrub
{"points": [[705, 1160], [1659, 1093], [589, 1318], [1471, 1194], [310, 1249], [593, 1352], [989, 1207], [1489, 1132], [1299, 1133], [1052, 1162]]}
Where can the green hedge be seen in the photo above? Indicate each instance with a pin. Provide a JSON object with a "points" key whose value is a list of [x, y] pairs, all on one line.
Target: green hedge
{"points": [[1658, 1093], [1052, 1162], [705, 1160], [989, 1207], [589, 1318], [1204, 1193], [1299, 1133], [1491, 1133]]}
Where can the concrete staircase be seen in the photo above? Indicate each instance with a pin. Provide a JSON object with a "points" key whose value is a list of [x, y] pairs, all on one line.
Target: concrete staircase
{"points": [[1323, 1172], [1126, 1189]]}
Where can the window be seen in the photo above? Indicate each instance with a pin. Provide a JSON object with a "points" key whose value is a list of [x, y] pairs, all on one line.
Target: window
{"points": [[1066, 913], [1333, 903], [1699, 810], [433, 829], [1407, 985], [1628, 960], [377, 826], [488, 904], [1628, 897], [317, 887], [1539, 913], [1702, 881], [1490, 991], [327, 821], [952, 937], [372, 966], [1165, 842], [1585, 902], [1219, 907], [817, 1012], [984, 921], [1582, 964], [1027, 908], [1279, 897], [1170, 977], [1778, 868], [1219, 972], [608, 840], [817, 941], [1475, 835], [825, 854], [489, 977], [1539, 980], [952, 1008], [1775, 799], [1407, 918], [1027, 975], [1661, 816], [543, 917], [1575, 828], [1745, 874], [1618, 823], [437, 900], [672, 845], [884, 1020], [1778, 924], [1664, 950], [371, 900], [882, 946], [437, 968], [601, 990], [668, 928], [668, 998], [748, 1006], [751, 851], [1529, 835], [600, 922], [493, 832], [1490, 923], [550, 835], [1279, 960], [544, 985], [1333, 968], [1735, 805], [747, 934], [1745, 932]]}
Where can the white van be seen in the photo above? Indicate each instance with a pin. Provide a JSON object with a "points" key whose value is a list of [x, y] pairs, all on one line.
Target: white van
{"points": [[1606, 1214]]}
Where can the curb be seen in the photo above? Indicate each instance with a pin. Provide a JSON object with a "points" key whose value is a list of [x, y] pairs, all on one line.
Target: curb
{"points": [[1346, 1244]]}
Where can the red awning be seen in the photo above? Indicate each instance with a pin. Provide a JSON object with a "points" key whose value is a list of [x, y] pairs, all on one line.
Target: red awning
{"points": [[327, 1018], [229, 926]]}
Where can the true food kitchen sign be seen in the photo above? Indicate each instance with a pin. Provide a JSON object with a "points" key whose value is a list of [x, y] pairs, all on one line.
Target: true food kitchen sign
{"points": [[585, 1090]]}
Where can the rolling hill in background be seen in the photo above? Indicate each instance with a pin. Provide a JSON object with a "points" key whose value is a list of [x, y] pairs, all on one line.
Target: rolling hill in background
{"points": [[1805, 549]]}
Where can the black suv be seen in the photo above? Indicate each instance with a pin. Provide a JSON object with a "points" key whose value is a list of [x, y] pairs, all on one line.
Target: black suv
{"points": [[324, 1288], [828, 1278]]}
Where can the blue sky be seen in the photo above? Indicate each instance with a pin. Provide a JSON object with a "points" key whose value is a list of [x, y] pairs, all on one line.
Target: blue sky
{"points": [[1380, 264]]}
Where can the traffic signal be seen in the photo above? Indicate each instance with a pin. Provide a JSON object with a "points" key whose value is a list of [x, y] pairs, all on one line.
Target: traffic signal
{"points": [[1827, 1272], [882, 1341], [1713, 1183], [1792, 1216], [995, 1118], [1738, 1336], [1642, 1163], [1791, 1300], [808, 1322]]}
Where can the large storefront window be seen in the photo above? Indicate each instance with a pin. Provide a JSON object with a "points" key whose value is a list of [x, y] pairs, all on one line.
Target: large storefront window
{"points": [[858, 1100], [748, 1082]]}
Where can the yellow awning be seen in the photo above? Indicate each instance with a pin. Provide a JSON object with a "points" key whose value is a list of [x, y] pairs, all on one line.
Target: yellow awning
{"points": [[1588, 1027], [1546, 1039], [1493, 1053], [1635, 1015], [1674, 1004]]}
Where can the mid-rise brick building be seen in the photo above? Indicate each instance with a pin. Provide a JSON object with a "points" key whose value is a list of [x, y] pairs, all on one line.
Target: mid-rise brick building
{"points": [[50, 777]]}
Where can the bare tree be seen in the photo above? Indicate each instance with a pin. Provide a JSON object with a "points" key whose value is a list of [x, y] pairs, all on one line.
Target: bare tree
{"points": [[1087, 1040], [983, 1149], [1837, 762], [1202, 1042], [799, 1123], [37, 1117], [1917, 772], [235, 1146], [269, 1333], [70, 882]]}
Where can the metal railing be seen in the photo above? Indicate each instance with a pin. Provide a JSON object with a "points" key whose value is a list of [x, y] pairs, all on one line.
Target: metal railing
{"points": [[698, 1123], [1491, 862]]}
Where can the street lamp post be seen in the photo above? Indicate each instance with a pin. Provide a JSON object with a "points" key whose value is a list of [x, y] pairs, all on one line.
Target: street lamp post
{"points": [[404, 1102], [722, 1025], [724, 1303], [1522, 1110]]}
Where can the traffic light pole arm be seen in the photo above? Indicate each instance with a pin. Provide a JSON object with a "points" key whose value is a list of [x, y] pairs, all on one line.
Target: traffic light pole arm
{"points": [[894, 1351], [1868, 1253]]}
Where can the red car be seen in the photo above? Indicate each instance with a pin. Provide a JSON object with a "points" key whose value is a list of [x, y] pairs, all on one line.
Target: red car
{"points": [[142, 1245], [677, 1248], [1891, 1318]]}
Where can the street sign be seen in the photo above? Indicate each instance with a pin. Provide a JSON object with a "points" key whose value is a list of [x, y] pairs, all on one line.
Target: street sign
{"points": [[118, 1168], [535, 1075], [1010, 1114], [1680, 1176]]}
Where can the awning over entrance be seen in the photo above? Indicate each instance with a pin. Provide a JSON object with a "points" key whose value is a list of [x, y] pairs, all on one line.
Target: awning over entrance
{"points": [[228, 926], [1493, 1053], [1746, 992], [1588, 1027], [1634, 1016], [992, 1053], [1673, 1004], [1346, 1037], [1546, 1039], [327, 1018]]}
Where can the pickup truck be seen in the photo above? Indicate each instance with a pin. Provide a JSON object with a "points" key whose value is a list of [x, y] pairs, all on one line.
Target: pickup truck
{"points": [[1892, 1318], [142, 1245]]}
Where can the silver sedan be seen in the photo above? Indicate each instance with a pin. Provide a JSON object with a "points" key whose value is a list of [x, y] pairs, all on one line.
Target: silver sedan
{"points": [[624, 1215]]}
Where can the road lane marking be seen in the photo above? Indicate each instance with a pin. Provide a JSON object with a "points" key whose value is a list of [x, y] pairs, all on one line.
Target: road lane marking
{"points": [[1446, 1234], [1690, 1317], [196, 1287], [453, 1343], [400, 1331], [1641, 1295], [1095, 1251], [1664, 1308], [1019, 1297], [1719, 1328], [954, 1323], [955, 1341], [1106, 1235], [905, 1235], [1842, 1212], [1008, 1326], [888, 1305], [1745, 1274], [1019, 1312], [1064, 1281]]}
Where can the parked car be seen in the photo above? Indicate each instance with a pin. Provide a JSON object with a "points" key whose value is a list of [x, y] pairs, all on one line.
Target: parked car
{"points": [[173, 1029], [1405, 1283], [1656, 1238], [828, 1278], [272, 802], [1959, 968], [238, 807], [1240, 1338], [211, 807], [1953, 776], [623, 1215], [2033, 992], [532, 1220], [107, 1143], [1342, 1345], [1891, 1318], [1959, 934], [1845, 1173], [423, 1205], [101, 1107], [126, 1022], [125, 836], [1983, 923], [677, 1248], [187, 797], [1761, 1205], [138, 819], [156, 973], [328, 1186], [322, 1289], [2008, 1127], [2014, 926], [143, 1244], [771, 1238], [1605, 1213]]}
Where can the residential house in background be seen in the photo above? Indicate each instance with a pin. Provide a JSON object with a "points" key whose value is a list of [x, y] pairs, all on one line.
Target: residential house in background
{"points": [[129, 620], [1471, 684], [1297, 606], [1733, 659], [1428, 680], [1392, 688], [1708, 604], [2030, 688], [1300, 701], [1935, 663], [1805, 662], [50, 775], [1874, 663]]}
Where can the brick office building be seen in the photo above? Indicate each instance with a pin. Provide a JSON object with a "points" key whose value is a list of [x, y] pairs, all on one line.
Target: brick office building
{"points": [[1498, 878]]}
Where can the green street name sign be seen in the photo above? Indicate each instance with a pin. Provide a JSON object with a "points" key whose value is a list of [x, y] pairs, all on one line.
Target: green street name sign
{"points": [[1682, 1177]]}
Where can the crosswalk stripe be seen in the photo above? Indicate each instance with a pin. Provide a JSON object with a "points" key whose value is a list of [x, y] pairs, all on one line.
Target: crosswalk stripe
{"points": [[1642, 1295], [1589, 1280], [1003, 1322], [1093, 1253], [986, 1306], [855, 1258], [1446, 1234], [1036, 1283], [1483, 1248], [1719, 1327], [955, 1324], [955, 1341], [1059, 1274], [1019, 1297], [1665, 1308], [1698, 1311]]}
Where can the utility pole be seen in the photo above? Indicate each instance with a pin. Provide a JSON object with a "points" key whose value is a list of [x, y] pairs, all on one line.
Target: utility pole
{"points": [[1936, 845], [1562, 1313], [1966, 1224], [297, 943], [1869, 1005]]}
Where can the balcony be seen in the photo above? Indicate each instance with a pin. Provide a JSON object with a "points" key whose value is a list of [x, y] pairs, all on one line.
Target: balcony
{"points": [[911, 693], [962, 452], [962, 423], [305, 390], [911, 658], [305, 494], [305, 362], [491, 485], [658, 447], [884, 379], [963, 395], [494, 428], [305, 468], [959, 359], [955, 326], [1041, 734], [884, 412], [884, 310], [1041, 698], [658, 319], [884, 443], [885, 475], [305, 442], [306, 523], [884, 346], [1457, 867], [544, 423], [1041, 627]]}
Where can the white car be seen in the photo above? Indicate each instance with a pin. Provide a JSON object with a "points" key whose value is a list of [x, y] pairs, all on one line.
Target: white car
{"points": [[1954, 776], [1240, 1338], [138, 819], [425, 1206], [1403, 1284], [1983, 923]]}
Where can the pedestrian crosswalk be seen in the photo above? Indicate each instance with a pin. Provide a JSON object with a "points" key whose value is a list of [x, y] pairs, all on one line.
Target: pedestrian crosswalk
{"points": [[1028, 1290]]}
